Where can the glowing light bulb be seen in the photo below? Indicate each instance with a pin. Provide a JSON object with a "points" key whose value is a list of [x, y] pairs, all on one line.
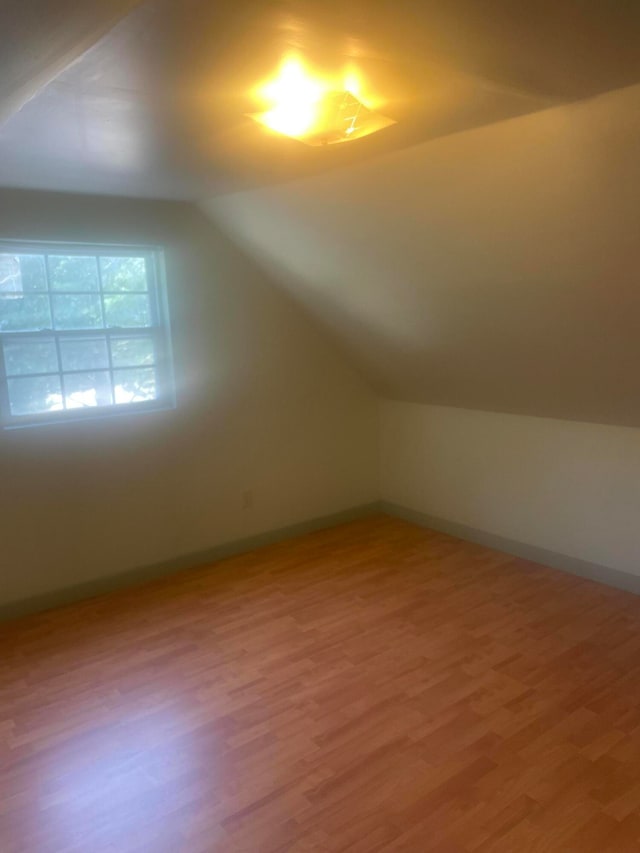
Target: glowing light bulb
{"points": [[315, 110], [352, 84], [295, 99]]}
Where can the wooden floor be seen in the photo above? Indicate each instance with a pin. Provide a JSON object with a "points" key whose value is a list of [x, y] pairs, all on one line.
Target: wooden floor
{"points": [[371, 687]]}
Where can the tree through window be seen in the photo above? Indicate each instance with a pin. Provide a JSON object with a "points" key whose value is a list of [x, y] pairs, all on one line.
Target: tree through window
{"points": [[83, 331]]}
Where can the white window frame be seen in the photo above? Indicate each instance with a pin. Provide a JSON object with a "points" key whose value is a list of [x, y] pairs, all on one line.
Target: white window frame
{"points": [[159, 330]]}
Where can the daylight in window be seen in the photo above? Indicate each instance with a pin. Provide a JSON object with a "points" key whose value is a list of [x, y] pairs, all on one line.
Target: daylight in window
{"points": [[83, 331]]}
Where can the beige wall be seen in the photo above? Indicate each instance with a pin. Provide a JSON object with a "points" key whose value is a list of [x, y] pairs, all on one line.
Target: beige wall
{"points": [[572, 488], [264, 404], [493, 269]]}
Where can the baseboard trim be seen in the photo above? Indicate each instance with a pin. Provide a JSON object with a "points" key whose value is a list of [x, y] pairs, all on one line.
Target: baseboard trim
{"points": [[139, 575], [133, 577], [563, 562]]}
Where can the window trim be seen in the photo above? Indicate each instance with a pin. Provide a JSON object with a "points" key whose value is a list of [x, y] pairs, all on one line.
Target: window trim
{"points": [[160, 331]]}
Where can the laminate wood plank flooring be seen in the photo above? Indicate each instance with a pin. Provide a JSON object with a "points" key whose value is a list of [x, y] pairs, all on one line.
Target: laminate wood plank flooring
{"points": [[372, 687]]}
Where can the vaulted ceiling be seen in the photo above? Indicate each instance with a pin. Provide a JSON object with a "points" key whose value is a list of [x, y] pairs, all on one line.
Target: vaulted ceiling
{"points": [[157, 107], [482, 252]]}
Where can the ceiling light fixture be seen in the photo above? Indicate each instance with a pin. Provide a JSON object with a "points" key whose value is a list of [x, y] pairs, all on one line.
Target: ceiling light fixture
{"points": [[313, 110]]}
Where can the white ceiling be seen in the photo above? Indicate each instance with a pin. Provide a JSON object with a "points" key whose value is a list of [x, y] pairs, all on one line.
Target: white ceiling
{"points": [[157, 106], [40, 38]]}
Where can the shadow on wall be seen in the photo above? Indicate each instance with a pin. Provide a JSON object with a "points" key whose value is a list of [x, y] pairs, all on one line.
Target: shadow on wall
{"points": [[493, 269]]}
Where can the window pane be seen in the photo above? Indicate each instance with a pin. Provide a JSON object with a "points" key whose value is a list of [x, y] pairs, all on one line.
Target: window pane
{"points": [[79, 329], [77, 312], [73, 272], [127, 310], [84, 353], [34, 395], [132, 352], [135, 386], [83, 390], [123, 273], [24, 313], [24, 357], [21, 274]]}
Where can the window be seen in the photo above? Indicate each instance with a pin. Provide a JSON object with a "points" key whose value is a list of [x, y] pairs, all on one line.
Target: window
{"points": [[83, 332]]}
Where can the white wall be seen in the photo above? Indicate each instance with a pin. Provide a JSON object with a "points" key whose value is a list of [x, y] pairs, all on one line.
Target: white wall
{"points": [[264, 403], [572, 488]]}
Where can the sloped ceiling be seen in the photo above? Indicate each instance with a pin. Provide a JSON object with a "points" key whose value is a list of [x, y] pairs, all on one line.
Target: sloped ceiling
{"points": [[497, 268], [157, 107], [40, 38]]}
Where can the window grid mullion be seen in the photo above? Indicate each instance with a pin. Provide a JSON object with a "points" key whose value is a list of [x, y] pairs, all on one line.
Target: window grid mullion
{"points": [[5, 409], [107, 338], [49, 295], [60, 372], [47, 276], [156, 331], [152, 288], [114, 331], [79, 370], [159, 340], [108, 292], [160, 365]]}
